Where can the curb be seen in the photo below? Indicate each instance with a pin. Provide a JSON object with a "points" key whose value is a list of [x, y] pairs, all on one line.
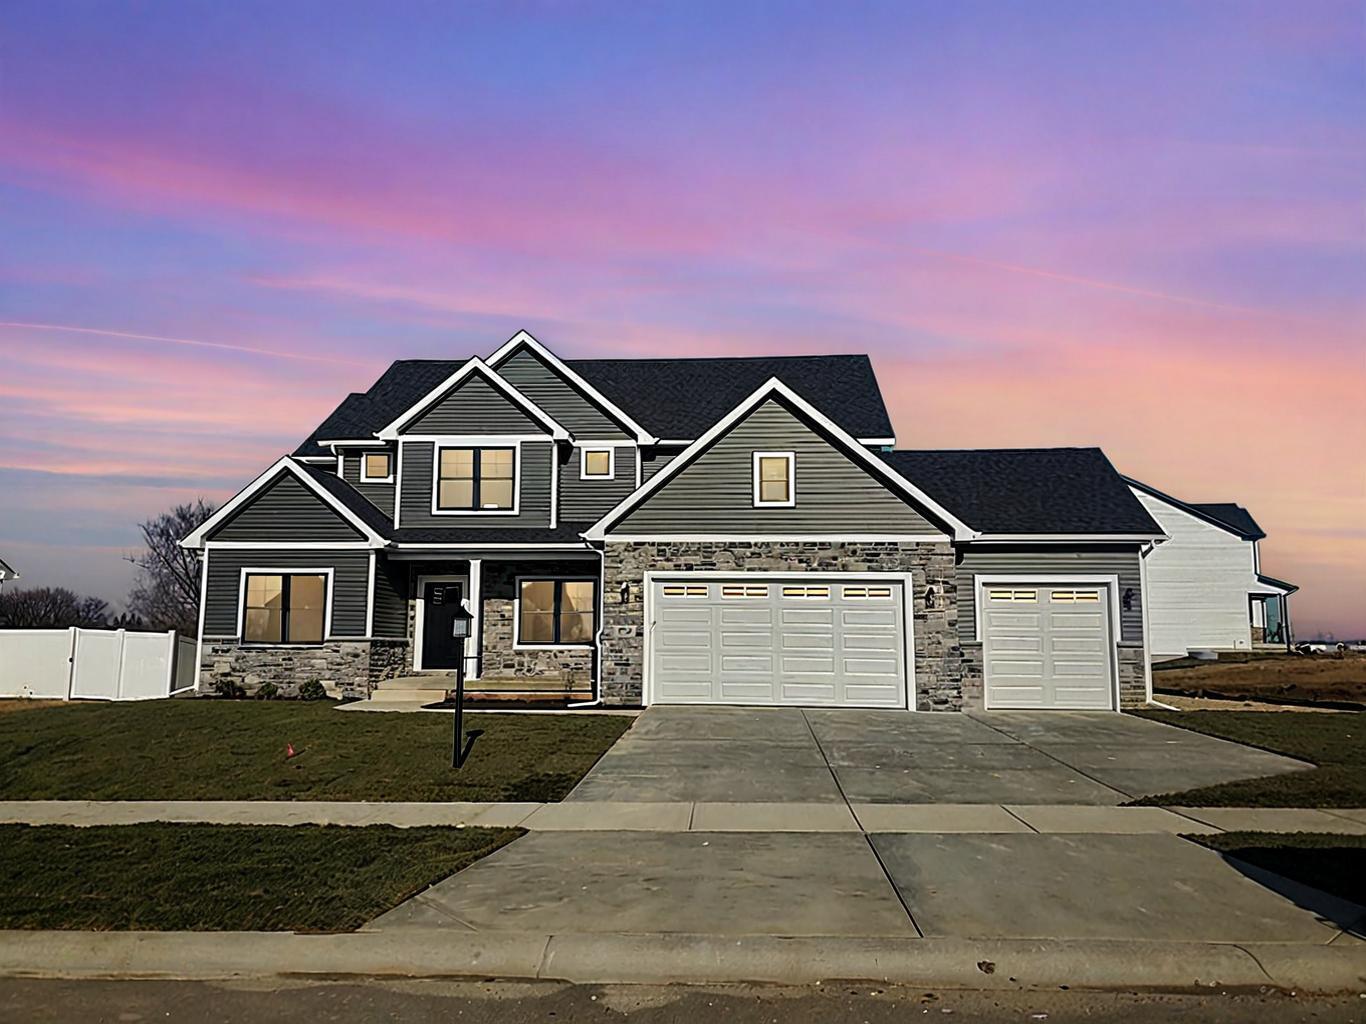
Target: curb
{"points": [[990, 964]]}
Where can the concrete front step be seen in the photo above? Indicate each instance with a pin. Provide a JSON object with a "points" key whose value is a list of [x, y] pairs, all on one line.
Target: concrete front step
{"points": [[438, 683]]}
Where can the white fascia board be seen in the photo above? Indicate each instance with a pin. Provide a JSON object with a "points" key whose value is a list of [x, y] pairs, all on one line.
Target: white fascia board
{"points": [[849, 538], [286, 464], [353, 443], [523, 339], [1137, 487], [476, 365], [460, 546], [855, 452]]}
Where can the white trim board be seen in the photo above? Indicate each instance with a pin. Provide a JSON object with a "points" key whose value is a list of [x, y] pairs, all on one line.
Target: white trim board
{"points": [[855, 452], [473, 366], [197, 538], [524, 339]]}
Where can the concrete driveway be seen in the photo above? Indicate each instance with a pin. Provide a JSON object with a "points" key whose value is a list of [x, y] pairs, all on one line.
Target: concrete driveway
{"points": [[792, 755]]}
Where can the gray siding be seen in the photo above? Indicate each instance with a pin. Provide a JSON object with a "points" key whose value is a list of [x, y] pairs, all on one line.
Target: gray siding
{"points": [[533, 484], [350, 582], [475, 407], [380, 495], [653, 460], [715, 492], [286, 510], [391, 598], [586, 501], [1050, 561], [579, 415]]}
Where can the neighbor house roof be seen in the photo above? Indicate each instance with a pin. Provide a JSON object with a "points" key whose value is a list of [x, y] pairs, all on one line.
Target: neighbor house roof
{"points": [[7, 572], [676, 399], [1234, 516], [1275, 584], [1028, 490], [1224, 515]]}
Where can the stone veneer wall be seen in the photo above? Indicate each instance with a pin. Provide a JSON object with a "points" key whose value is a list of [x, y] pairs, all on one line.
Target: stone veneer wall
{"points": [[938, 673], [1133, 683], [347, 668]]}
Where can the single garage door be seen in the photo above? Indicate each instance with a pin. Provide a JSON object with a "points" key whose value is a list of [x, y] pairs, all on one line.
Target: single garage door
{"points": [[1047, 646], [806, 642]]}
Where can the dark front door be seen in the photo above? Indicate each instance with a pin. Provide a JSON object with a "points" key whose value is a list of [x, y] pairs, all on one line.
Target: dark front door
{"points": [[441, 605]]}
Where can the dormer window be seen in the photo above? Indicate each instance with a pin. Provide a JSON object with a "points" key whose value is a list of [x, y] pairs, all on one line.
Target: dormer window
{"points": [[597, 463], [376, 468], [774, 480]]}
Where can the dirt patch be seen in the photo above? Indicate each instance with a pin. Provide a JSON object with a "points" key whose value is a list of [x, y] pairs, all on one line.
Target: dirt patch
{"points": [[1217, 704], [1283, 677], [9, 707]]}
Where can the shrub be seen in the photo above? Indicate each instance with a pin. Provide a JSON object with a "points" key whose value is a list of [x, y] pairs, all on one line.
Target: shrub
{"points": [[267, 691], [312, 690], [229, 688]]}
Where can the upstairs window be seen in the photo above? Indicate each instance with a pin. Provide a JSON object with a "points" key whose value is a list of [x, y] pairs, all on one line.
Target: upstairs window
{"points": [[284, 608], [597, 463], [476, 479], [774, 483], [376, 468], [555, 613]]}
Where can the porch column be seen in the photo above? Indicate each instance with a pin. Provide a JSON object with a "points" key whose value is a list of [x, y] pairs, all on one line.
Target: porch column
{"points": [[474, 656]]}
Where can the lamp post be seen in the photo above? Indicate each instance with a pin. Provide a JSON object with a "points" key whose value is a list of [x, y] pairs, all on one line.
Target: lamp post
{"points": [[460, 744]]}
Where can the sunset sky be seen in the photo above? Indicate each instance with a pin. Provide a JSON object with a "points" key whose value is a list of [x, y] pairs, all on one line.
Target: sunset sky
{"points": [[1137, 225]]}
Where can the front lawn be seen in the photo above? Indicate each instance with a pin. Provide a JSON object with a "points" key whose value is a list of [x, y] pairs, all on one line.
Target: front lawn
{"points": [[1334, 864], [235, 750], [160, 877], [1335, 742]]}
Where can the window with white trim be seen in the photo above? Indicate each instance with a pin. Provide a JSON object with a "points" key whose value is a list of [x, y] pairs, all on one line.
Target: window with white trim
{"points": [[376, 468], [775, 480], [284, 608], [597, 463], [555, 613], [476, 479]]}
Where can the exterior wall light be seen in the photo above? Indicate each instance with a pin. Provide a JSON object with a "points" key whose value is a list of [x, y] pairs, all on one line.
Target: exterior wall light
{"points": [[929, 598], [1128, 599]]}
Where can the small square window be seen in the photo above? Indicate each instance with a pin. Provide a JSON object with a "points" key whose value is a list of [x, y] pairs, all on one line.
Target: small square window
{"points": [[774, 483], [597, 463], [377, 467]]}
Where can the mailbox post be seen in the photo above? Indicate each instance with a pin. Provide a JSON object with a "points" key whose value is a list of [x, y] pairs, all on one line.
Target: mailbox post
{"points": [[460, 745]]}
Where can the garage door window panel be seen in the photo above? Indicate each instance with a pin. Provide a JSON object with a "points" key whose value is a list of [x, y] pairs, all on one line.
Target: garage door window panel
{"points": [[556, 613]]}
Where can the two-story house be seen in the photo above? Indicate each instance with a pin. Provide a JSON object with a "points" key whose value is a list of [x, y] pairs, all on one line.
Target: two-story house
{"points": [[640, 531]]}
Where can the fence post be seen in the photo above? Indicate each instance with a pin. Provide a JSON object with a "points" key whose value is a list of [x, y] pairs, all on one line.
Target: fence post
{"points": [[71, 663]]}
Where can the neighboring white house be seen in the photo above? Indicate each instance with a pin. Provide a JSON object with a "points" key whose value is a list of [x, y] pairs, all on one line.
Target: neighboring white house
{"points": [[1204, 585], [6, 573]]}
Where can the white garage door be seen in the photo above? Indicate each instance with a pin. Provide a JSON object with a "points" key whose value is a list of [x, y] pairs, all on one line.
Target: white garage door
{"points": [[1047, 646], [817, 641]]}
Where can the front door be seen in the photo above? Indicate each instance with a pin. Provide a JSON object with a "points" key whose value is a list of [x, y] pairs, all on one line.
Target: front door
{"points": [[441, 604]]}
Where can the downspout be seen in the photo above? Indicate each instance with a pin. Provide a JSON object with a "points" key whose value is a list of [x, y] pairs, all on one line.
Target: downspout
{"points": [[596, 673]]}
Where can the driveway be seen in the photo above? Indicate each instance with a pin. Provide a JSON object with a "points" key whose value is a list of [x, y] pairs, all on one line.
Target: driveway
{"points": [[792, 755]]}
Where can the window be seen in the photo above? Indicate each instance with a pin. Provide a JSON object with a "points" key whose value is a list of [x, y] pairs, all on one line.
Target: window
{"points": [[1016, 596], [597, 463], [555, 612], [376, 467], [1075, 596], [743, 590], [684, 590], [476, 479], [867, 593], [284, 608], [806, 592], [773, 483]]}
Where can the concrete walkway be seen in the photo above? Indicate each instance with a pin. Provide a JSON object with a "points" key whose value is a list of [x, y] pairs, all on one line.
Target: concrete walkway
{"points": [[683, 816]]}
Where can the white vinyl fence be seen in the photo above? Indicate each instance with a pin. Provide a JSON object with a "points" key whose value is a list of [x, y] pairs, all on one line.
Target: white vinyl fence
{"points": [[98, 664]]}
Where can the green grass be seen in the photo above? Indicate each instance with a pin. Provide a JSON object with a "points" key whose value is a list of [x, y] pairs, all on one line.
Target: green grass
{"points": [[160, 877], [1333, 864], [1335, 742], [235, 750]]}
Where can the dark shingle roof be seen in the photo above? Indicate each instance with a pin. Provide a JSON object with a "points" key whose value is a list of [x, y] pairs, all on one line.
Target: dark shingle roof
{"points": [[1028, 490], [1226, 515], [364, 509], [1233, 516], [671, 398]]}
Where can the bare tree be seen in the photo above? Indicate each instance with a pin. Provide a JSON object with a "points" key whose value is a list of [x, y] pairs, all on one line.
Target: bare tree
{"points": [[51, 608], [165, 594]]}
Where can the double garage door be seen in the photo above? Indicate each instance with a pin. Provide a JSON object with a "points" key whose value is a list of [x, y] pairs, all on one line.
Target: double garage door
{"points": [[817, 641], [1047, 646]]}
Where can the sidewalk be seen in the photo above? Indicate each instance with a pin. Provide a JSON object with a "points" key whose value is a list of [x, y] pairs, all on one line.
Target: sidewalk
{"points": [[610, 816]]}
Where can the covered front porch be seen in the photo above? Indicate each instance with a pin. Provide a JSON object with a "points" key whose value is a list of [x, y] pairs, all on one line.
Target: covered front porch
{"points": [[533, 618]]}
